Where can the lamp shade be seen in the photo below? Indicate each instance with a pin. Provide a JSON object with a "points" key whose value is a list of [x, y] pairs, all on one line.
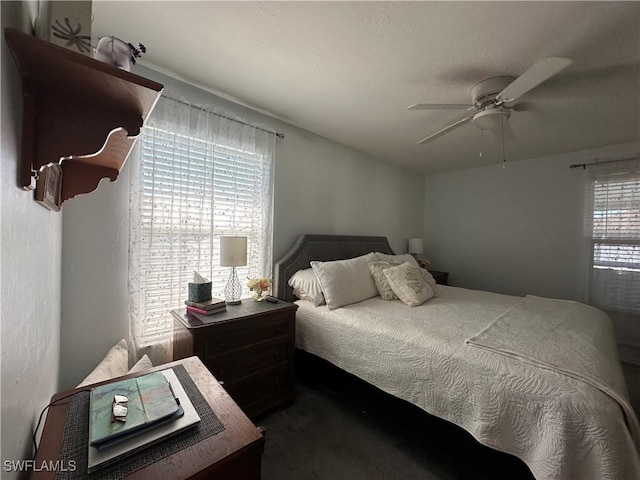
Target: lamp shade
{"points": [[415, 245], [233, 251]]}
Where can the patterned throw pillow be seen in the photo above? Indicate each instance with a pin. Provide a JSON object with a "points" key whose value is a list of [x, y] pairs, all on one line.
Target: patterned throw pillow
{"points": [[380, 280], [405, 257], [430, 280], [411, 284]]}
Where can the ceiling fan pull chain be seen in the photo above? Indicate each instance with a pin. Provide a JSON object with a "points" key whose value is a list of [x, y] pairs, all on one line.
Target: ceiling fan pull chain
{"points": [[504, 160], [481, 134]]}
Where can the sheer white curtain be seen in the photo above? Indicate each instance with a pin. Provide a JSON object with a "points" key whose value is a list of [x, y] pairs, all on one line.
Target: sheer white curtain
{"points": [[196, 175], [613, 224]]}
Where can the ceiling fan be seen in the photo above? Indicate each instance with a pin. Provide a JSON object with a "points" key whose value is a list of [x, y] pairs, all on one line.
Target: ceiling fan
{"points": [[490, 97]]}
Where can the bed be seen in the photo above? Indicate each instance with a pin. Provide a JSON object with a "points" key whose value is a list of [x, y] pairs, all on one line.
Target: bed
{"points": [[533, 377]]}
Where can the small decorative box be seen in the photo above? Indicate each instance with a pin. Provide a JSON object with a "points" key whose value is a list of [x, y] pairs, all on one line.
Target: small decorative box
{"points": [[199, 292]]}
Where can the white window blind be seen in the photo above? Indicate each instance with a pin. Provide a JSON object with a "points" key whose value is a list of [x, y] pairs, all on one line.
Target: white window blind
{"points": [[193, 185], [615, 227]]}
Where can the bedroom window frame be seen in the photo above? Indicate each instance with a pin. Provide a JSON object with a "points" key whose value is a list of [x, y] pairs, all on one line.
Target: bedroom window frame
{"points": [[613, 223], [235, 188]]}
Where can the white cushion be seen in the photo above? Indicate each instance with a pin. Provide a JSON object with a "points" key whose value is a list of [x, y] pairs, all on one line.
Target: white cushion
{"points": [[383, 257], [143, 364], [306, 286], [114, 364], [385, 290], [410, 283], [345, 282]]}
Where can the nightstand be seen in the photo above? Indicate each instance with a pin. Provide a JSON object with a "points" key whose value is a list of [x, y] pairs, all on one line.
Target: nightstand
{"points": [[249, 348], [441, 278], [234, 453]]}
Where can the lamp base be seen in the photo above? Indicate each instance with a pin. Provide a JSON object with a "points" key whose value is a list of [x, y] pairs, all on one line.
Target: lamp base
{"points": [[233, 290]]}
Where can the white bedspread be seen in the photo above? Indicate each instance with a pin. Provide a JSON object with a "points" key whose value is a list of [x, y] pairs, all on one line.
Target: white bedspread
{"points": [[562, 426]]}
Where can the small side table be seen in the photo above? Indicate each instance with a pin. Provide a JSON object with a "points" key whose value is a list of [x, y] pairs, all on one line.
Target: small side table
{"points": [[234, 453], [441, 278], [249, 348]]}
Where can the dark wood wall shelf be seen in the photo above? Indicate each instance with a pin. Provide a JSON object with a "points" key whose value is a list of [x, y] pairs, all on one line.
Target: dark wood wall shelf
{"points": [[78, 112]]}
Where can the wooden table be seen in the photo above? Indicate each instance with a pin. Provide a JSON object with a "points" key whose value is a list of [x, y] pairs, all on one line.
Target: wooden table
{"points": [[249, 347], [441, 278], [234, 453]]}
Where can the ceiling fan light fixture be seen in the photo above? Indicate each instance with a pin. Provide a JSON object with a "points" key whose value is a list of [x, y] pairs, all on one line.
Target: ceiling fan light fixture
{"points": [[491, 96], [491, 119]]}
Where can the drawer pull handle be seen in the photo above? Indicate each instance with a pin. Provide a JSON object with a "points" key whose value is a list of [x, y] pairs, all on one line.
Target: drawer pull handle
{"points": [[223, 344], [279, 330], [276, 354]]}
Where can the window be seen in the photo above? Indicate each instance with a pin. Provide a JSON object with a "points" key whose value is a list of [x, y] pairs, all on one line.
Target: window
{"points": [[199, 176], [615, 227]]}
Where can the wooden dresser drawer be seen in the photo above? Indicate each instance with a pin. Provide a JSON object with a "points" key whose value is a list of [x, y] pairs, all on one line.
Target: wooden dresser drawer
{"points": [[249, 347], [220, 343], [270, 383], [248, 361]]}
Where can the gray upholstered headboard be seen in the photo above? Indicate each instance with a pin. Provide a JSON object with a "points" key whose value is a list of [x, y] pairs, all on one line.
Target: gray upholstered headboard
{"points": [[323, 248]]}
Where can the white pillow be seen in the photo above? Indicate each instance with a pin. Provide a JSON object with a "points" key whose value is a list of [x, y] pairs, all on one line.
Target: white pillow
{"points": [[410, 283], [143, 364], [114, 364], [385, 290], [345, 282], [383, 257], [307, 287]]}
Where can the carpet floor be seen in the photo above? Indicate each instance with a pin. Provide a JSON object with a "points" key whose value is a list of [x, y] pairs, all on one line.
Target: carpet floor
{"points": [[328, 435]]}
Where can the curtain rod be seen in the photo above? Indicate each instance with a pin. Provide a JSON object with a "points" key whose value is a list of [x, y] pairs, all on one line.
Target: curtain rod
{"points": [[585, 165], [277, 134]]}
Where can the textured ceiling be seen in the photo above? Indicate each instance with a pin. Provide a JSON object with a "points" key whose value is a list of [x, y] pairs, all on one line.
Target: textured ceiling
{"points": [[348, 70]]}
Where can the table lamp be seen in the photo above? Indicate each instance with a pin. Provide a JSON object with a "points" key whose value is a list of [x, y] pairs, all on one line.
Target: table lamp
{"points": [[233, 253], [415, 247]]}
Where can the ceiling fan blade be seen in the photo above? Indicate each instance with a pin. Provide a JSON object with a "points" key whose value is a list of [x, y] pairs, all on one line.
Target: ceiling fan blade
{"points": [[457, 124], [440, 106], [521, 107], [538, 73]]}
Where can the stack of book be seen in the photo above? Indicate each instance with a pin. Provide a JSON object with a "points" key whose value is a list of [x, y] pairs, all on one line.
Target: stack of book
{"points": [[156, 407], [208, 307]]}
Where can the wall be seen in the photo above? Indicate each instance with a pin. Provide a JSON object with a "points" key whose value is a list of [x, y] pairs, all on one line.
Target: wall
{"points": [[94, 277], [31, 240], [320, 187], [324, 187], [516, 231]]}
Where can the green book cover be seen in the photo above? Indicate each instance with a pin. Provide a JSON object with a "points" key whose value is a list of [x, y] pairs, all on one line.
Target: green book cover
{"points": [[150, 400]]}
